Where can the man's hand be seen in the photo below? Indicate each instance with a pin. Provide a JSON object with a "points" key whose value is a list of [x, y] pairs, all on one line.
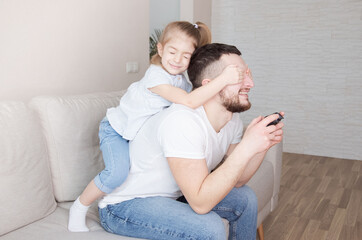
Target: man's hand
{"points": [[257, 140], [259, 137]]}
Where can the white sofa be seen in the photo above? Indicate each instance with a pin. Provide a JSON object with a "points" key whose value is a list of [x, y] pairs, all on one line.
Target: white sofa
{"points": [[49, 151]]}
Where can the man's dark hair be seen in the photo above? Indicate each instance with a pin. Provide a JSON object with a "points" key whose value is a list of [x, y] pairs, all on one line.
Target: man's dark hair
{"points": [[204, 57]]}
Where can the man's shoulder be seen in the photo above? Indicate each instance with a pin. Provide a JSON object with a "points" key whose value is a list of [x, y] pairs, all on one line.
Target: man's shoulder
{"points": [[180, 114], [180, 130], [173, 111], [179, 110], [179, 107]]}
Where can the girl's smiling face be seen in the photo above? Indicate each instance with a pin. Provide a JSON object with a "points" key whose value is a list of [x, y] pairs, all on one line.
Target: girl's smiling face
{"points": [[176, 53]]}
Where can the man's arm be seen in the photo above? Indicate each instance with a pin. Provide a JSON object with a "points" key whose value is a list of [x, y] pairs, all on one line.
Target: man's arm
{"points": [[203, 190], [276, 135], [256, 160], [250, 169]]}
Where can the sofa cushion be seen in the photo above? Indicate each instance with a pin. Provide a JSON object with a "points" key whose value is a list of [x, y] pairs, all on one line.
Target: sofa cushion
{"points": [[70, 125], [26, 192]]}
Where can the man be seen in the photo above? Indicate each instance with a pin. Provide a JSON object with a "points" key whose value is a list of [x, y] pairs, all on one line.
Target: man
{"points": [[177, 152]]}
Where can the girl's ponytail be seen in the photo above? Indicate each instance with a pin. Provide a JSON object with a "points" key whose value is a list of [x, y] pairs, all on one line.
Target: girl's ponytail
{"points": [[205, 33]]}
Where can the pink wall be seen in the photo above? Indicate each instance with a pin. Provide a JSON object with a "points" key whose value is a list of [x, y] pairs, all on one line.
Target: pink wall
{"points": [[50, 47]]}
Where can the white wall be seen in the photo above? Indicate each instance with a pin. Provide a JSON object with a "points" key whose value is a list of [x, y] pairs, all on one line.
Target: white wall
{"points": [[202, 11], [306, 58], [196, 10], [70, 46], [162, 12]]}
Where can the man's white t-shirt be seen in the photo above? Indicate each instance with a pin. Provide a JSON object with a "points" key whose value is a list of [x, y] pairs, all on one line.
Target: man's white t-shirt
{"points": [[175, 132], [139, 103]]}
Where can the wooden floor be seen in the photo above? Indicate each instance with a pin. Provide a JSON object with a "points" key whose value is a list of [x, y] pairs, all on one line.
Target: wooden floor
{"points": [[320, 198]]}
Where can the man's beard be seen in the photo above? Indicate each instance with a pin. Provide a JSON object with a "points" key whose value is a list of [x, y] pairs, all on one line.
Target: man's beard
{"points": [[233, 104]]}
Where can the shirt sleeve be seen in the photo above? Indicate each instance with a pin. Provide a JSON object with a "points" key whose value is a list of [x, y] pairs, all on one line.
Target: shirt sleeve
{"points": [[182, 135]]}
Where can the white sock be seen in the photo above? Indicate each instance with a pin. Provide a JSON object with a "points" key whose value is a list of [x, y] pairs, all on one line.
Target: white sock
{"points": [[77, 215]]}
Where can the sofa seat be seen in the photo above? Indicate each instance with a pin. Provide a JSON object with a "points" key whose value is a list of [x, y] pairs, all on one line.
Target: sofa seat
{"points": [[54, 227]]}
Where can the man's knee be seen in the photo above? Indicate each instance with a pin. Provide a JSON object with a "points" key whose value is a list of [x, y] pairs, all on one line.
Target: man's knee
{"points": [[249, 202], [244, 198], [251, 196]]}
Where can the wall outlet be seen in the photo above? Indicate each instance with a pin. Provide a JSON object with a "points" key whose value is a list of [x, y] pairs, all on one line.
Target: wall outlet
{"points": [[132, 67]]}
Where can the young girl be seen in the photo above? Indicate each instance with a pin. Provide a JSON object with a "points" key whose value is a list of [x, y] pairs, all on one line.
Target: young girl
{"points": [[164, 83]]}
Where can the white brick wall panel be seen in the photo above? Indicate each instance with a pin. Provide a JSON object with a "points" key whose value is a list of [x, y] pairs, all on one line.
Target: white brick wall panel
{"points": [[306, 58]]}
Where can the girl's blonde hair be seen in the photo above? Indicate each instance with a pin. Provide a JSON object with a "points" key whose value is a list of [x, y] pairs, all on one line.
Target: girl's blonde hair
{"points": [[199, 31]]}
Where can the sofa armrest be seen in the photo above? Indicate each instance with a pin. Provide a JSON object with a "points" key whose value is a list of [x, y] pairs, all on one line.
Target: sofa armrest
{"points": [[274, 155]]}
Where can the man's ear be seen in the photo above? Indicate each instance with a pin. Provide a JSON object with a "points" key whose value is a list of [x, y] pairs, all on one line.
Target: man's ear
{"points": [[159, 49], [205, 81]]}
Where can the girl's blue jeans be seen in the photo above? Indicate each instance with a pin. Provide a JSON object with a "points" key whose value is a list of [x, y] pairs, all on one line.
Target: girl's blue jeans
{"points": [[165, 218], [115, 151]]}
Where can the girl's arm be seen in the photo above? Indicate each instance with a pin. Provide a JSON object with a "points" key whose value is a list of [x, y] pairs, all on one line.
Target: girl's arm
{"points": [[231, 75]]}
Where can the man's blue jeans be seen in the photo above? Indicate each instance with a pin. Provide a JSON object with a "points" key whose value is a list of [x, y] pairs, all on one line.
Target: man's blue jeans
{"points": [[165, 218]]}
